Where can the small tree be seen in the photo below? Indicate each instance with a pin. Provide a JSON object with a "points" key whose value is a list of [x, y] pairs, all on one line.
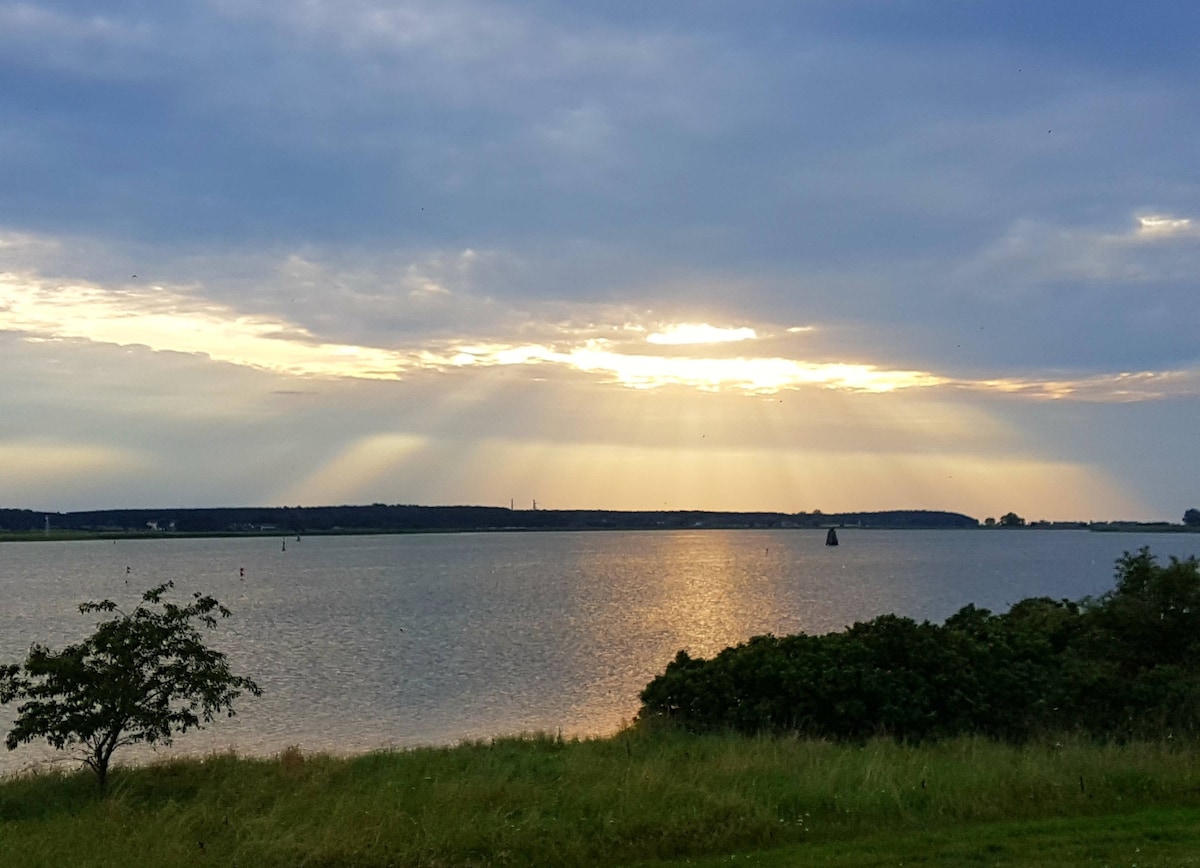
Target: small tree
{"points": [[143, 676], [1011, 519], [1192, 518]]}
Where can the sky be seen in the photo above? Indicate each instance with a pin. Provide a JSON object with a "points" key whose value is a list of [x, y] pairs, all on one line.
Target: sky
{"points": [[817, 254]]}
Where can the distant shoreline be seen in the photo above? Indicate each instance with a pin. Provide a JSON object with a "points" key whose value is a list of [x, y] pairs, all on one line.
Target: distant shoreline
{"points": [[20, 524]]}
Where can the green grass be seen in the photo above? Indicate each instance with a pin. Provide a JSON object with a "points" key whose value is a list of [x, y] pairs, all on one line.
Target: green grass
{"points": [[1154, 837], [646, 798]]}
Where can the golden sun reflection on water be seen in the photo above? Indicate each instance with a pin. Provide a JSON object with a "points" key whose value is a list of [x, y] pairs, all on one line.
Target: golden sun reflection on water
{"points": [[698, 591], [693, 599]]}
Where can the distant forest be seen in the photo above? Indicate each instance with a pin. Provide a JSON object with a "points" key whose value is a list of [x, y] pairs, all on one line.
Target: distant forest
{"points": [[386, 518]]}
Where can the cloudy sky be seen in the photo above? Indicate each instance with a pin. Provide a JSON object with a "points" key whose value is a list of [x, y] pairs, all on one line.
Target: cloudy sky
{"points": [[813, 254]]}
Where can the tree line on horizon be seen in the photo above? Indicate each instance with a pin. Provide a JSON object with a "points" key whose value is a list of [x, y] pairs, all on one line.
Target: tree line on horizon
{"points": [[407, 517], [410, 517]]}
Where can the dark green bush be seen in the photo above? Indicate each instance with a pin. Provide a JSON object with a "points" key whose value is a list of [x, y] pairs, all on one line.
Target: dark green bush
{"points": [[1125, 664]]}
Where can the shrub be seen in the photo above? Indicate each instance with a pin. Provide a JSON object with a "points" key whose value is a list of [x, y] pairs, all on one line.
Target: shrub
{"points": [[1125, 664]]}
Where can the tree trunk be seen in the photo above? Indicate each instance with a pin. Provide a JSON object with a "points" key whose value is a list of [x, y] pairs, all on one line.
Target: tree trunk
{"points": [[98, 763]]}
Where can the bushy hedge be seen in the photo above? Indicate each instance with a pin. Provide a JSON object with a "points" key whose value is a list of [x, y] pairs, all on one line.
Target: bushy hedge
{"points": [[1122, 665]]}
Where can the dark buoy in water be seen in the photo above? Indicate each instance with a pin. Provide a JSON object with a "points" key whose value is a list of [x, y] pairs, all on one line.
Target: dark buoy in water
{"points": [[831, 538]]}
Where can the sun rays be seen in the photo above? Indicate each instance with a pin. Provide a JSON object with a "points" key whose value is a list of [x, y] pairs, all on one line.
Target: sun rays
{"points": [[630, 415]]}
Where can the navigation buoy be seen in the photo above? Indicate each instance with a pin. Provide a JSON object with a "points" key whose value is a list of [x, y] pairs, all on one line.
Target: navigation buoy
{"points": [[831, 538]]}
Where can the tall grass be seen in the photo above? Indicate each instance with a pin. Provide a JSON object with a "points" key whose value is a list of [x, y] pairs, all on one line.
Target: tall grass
{"points": [[540, 800]]}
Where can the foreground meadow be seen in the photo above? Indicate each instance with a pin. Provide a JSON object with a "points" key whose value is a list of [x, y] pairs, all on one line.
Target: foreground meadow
{"points": [[638, 798]]}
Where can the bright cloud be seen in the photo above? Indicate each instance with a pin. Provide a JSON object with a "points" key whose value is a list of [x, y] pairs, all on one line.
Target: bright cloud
{"points": [[1113, 388], [701, 333], [167, 321], [170, 321], [1160, 226]]}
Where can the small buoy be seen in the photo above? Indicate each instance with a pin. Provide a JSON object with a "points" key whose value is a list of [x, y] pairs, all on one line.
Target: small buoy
{"points": [[242, 572]]}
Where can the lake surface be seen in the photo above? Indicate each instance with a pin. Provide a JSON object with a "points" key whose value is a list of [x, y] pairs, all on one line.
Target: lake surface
{"points": [[394, 641]]}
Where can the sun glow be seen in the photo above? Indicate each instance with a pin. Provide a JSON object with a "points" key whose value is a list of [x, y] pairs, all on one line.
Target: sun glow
{"points": [[36, 465], [784, 478], [752, 375]]}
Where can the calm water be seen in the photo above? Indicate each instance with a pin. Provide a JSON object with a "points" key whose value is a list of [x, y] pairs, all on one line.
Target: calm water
{"points": [[365, 642]]}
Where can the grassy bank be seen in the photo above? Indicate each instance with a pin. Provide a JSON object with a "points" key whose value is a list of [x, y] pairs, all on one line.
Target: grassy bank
{"points": [[637, 798]]}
